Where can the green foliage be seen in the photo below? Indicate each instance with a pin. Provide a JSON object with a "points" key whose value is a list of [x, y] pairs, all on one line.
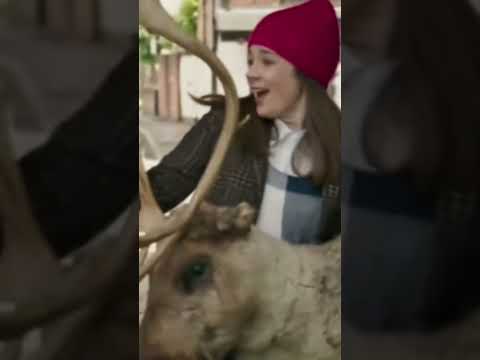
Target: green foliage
{"points": [[188, 16], [187, 19], [144, 47]]}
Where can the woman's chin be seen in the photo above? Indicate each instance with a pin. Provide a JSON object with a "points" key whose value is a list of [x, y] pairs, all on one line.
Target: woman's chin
{"points": [[264, 113]]}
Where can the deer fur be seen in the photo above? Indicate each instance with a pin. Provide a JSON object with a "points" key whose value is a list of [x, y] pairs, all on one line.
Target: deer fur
{"points": [[264, 298]]}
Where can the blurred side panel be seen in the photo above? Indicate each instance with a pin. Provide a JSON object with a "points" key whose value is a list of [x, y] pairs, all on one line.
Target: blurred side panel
{"points": [[69, 100], [411, 180]]}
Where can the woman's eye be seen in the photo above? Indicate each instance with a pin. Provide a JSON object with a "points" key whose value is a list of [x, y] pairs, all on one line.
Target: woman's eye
{"points": [[195, 276], [268, 62]]}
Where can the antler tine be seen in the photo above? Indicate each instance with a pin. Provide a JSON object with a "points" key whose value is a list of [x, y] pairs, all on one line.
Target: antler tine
{"points": [[150, 216], [154, 17], [145, 190]]}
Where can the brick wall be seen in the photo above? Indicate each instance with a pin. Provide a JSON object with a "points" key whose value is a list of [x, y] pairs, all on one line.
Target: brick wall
{"points": [[160, 87]]}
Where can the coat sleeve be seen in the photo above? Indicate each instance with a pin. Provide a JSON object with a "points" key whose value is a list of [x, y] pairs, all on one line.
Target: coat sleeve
{"points": [[179, 172], [86, 174]]}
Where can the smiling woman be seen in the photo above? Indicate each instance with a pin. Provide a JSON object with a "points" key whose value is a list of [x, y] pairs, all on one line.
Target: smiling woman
{"points": [[285, 159]]}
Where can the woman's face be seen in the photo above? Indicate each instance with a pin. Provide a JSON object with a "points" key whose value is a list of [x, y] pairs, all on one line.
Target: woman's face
{"points": [[274, 83]]}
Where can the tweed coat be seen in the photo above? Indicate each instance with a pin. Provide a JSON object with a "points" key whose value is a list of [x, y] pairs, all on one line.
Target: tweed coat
{"points": [[242, 176]]}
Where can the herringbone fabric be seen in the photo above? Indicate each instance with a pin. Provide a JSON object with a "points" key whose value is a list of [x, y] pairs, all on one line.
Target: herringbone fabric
{"points": [[241, 178]]}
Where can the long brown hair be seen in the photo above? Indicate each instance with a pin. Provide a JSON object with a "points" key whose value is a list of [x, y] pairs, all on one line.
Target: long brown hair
{"points": [[439, 73], [320, 144], [437, 82]]}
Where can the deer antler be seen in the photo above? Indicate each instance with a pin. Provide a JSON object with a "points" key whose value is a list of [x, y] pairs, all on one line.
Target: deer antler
{"points": [[34, 285], [155, 19]]}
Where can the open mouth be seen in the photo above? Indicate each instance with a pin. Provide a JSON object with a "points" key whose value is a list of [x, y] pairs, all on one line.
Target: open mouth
{"points": [[260, 94]]}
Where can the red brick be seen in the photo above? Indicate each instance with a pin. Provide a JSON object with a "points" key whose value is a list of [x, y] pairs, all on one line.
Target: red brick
{"points": [[163, 101], [174, 86]]}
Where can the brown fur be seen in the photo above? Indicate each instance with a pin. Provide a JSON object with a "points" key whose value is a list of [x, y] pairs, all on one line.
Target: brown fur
{"points": [[261, 298]]}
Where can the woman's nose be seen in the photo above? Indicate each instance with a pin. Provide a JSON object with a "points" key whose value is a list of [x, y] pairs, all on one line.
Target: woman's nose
{"points": [[252, 73]]}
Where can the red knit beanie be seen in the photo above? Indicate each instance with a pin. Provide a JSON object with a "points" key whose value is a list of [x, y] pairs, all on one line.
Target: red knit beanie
{"points": [[306, 35]]}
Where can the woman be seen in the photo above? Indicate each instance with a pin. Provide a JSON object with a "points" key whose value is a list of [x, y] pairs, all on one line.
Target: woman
{"points": [[285, 159]]}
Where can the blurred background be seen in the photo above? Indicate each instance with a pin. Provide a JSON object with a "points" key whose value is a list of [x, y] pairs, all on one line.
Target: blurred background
{"points": [[410, 180], [59, 51]]}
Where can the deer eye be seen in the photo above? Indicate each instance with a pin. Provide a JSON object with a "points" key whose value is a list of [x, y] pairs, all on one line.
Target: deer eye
{"points": [[195, 276]]}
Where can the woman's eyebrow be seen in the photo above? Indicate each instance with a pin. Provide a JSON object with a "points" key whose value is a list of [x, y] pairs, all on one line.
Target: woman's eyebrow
{"points": [[266, 52]]}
